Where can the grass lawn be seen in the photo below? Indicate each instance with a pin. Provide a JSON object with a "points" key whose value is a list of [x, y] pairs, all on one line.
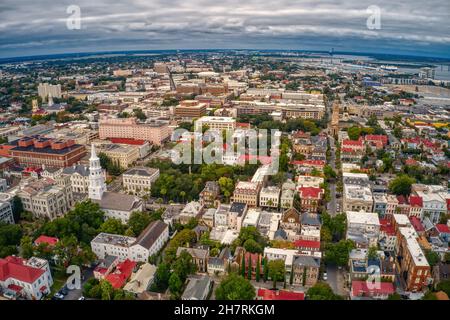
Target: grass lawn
{"points": [[58, 283]]}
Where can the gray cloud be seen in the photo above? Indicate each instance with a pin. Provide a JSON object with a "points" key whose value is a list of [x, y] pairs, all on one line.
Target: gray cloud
{"points": [[407, 26]]}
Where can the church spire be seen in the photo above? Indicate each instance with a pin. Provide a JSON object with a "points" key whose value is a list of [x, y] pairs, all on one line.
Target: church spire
{"points": [[97, 185]]}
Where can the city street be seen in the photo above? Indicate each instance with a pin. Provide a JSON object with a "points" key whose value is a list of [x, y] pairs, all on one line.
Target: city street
{"points": [[336, 280], [332, 205]]}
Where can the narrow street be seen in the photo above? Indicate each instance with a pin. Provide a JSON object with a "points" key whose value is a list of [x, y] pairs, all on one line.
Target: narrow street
{"points": [[331, 206], [336, 280]]}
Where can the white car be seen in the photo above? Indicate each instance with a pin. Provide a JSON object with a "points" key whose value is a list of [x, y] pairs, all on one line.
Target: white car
{"points": [[59, 296], [325, 276], [81, 298]]}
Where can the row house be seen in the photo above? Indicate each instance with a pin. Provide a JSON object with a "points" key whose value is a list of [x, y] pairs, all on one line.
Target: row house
{"points": [[247, 192], [209, 194], [413, 265], [310, 198], [363, 228], [376, 141]]}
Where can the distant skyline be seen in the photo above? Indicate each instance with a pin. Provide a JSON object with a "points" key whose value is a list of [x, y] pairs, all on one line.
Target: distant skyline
{"points": [[418, 28]]}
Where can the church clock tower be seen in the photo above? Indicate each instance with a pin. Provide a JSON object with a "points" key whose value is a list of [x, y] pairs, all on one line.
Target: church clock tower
{"points": [[97, 185]]}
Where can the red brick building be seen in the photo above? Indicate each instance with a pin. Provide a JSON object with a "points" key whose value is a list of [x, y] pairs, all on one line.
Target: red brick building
{"points": [[38, 151]]}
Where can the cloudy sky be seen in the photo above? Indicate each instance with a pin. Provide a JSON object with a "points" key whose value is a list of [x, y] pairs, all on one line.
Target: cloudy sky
{"points": [[33, 27]]}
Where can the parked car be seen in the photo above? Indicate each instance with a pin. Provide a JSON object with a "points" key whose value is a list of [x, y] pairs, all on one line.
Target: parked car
{"points": [[81, 298], [325, 276], [59, 296]]}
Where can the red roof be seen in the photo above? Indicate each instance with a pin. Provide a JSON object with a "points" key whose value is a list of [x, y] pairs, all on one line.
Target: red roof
{"points": [[45, 239], [347, 150], [377, 137], [15, 287], [127, 141], [307, 244], [15, 268], [356, 143], [416, 224], [120, 276], [360, 288], [242, 125], [402, 199], [267, 294], [442, 228], [410, 162], [310, 192], [253, 256], [387, 227], [415, 201]]}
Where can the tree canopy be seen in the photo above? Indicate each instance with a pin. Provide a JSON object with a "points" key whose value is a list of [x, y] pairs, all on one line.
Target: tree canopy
{"points": [[235, 287]]}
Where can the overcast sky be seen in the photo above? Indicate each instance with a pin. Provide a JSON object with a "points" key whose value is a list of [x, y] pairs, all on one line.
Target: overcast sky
{"points": [[32, 27]]}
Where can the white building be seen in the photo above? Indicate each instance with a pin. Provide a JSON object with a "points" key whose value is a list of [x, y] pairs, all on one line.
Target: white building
{"points": [[115, 205], [287, 195], [252, 217], [139, 249], [44, 198], [215, 123], [309, 181], [269, 197], [6, 210], [30, 278], [221, 215], [192, 210], [363, 228], [434, 198], [138, 181]]}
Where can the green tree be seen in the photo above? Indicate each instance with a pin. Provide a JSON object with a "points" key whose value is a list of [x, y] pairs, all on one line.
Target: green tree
{"points": [[26, 247], [394, 296], [432, 257], [429, 296], [258, 269], [139, 114], [184, 265], [107, 290], [354, 132], [338, 253], [161, 279], [243, 265], [175, 285], [276, 271], [444, 285], [401, 185], [252, 246], [17, 208], [234, 287], [249, 272], [226, 187], [10, 236], [372, 253], [113, 225], [138, 222], [321, 291]]}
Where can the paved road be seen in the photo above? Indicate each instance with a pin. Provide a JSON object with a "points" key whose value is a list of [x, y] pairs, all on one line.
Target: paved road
{"points": [[116, 185], [336, 280], [331, 207]]}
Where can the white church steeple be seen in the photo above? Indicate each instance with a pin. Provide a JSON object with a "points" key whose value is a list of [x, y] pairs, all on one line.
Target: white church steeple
{"points": [[97, 185]]}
